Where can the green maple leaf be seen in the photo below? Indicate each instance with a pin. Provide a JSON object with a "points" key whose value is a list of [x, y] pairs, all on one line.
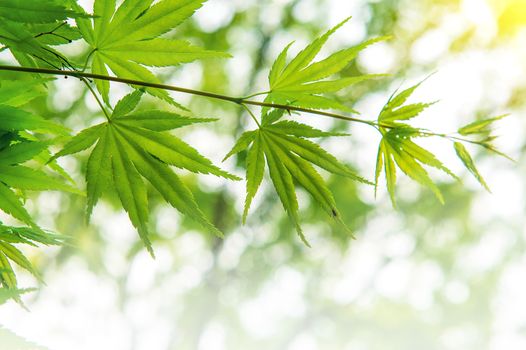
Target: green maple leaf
{"points": [[284, 147], [126, 40], [397, 148], [131, 147], [301, 82]]}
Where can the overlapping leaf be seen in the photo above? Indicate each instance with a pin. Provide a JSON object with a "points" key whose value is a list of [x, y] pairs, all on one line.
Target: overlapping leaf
{"points": [[37, 11], [127, 39], [16, 148], [284, 147], [131, 147], [30, 27], [26, 49], [301, 82], [21, 91]]}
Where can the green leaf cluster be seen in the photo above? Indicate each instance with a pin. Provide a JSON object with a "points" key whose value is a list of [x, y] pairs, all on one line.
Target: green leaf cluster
{"points": [[398, 149], [481, 130]]}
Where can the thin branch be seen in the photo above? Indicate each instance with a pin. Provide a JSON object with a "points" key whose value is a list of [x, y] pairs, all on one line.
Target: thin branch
{"points": [[236, 100], [244, 102]]}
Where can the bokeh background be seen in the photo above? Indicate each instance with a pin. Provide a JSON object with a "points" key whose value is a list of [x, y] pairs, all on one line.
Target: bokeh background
{"points": [[425, 276]]}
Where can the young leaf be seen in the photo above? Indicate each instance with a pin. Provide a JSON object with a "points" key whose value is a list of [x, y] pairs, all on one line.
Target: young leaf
{"points": [[390, 172], [316, 155], [479, 127], [32, 236], [465, 157], [17, 150], [397, 148], [99, 170], [279, 65]]}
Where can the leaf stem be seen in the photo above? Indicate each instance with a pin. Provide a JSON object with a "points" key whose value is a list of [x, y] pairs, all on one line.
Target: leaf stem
{"points": [[251, 115], [101, 105], [256, 95]]}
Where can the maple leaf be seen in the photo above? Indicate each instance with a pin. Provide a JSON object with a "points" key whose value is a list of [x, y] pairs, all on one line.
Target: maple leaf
{"points": [[131, 147], [284, 147], [127, 40]]}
